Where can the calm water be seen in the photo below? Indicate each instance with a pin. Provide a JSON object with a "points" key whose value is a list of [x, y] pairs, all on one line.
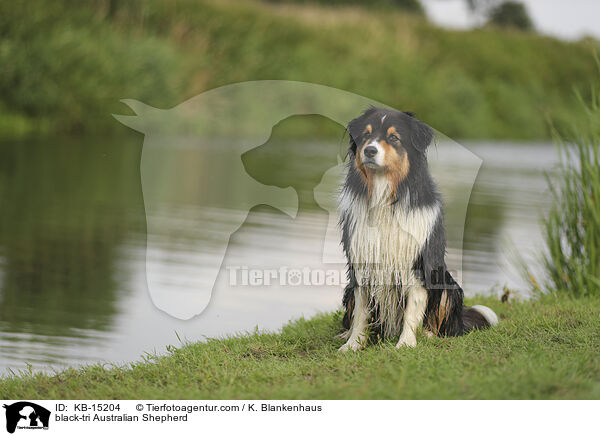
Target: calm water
{"points": [[73, 242]]}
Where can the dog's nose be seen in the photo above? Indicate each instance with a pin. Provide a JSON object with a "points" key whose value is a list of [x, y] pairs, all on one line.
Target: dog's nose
{"points": [[370, 151]]}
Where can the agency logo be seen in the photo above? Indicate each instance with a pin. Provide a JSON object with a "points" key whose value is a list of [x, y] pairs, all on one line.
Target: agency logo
{"points": [[26, 415]]}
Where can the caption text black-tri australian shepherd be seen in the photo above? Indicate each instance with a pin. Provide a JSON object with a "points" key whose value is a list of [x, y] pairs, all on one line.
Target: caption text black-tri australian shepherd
{"points": [[393, 235]]}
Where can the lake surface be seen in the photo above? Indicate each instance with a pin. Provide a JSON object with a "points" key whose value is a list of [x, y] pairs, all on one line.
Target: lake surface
{"points": [[91, 273]]}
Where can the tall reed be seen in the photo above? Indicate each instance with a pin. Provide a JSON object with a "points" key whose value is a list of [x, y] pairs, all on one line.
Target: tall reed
{"points": [[572, 228]]}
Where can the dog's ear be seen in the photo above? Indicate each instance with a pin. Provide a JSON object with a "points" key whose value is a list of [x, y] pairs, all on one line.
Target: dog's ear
{"points": [[352, 147], [355, 127], [421, 134], [351, 129]]}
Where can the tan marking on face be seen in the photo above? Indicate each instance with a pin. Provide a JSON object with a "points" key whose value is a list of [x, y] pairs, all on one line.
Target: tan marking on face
{"points": [[365, 175], [391, 131], [368, 129], [396, 164]]}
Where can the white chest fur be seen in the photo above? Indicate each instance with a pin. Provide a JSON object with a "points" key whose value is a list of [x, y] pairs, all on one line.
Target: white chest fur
{"points": [[385, 242]]}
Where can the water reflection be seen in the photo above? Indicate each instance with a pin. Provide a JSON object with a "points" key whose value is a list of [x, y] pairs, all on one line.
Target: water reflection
{"points": [[73, 243], [67, 206]]}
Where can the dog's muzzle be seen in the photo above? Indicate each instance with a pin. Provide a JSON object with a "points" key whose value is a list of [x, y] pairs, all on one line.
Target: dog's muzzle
{"points": [[372, 155]]}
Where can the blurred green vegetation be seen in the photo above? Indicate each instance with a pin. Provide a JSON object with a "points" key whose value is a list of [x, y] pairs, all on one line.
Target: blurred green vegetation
{"points": [[511, 14], [413, 6], [64, 65]]}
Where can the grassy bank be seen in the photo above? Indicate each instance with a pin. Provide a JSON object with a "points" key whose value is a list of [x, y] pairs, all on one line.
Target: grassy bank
{"points": [[65, 65], [546, 348]]}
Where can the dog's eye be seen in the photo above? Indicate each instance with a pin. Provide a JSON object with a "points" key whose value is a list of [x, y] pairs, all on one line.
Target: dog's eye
{"points": [[393, 139]]}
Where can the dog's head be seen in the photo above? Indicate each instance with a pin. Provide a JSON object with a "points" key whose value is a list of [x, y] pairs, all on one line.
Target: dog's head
{"points": [[388, 142]]}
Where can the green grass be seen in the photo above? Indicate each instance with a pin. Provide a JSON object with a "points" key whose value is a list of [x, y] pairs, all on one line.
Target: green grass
{"points": [[547, 348], [65, 65]]}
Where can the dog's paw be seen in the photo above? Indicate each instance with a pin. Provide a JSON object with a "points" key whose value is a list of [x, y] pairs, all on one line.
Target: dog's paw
{"points": [[429, 334], [351, 345], [407, 341], [344, 335]]}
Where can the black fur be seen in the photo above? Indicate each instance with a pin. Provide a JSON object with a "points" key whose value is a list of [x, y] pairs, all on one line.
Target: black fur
{"points": [[445, 315]]}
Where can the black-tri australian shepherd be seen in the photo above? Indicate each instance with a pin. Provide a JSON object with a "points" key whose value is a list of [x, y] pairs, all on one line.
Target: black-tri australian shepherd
{"points": [[393, 235]]}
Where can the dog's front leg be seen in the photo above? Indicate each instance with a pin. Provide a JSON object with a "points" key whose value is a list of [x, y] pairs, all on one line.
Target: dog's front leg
{"points": [[360, 321], [413, 315]]}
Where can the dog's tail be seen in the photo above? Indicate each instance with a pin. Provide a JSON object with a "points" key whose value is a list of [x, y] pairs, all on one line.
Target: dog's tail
{"points": [[478, 317]]}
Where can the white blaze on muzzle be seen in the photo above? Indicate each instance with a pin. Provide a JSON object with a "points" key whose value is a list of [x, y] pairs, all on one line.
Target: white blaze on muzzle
{"points": [[377, 158]]}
